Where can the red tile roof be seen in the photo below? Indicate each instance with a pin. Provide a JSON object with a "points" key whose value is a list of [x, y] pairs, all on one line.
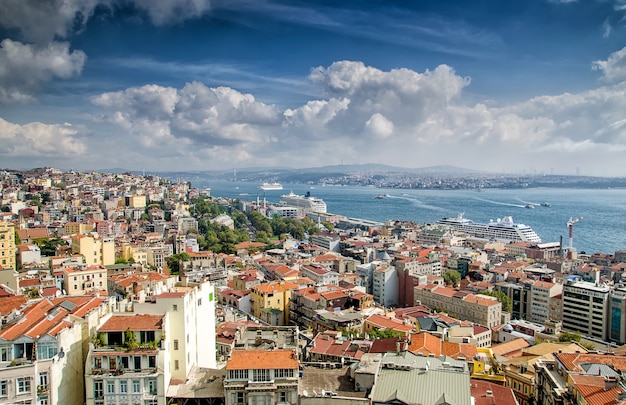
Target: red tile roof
{"points": [[119, 323], [261, 359]]}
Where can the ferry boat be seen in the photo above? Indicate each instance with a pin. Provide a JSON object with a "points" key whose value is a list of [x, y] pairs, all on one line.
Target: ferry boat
{"points": [[271, 186], [503, 229], [305, 202]]}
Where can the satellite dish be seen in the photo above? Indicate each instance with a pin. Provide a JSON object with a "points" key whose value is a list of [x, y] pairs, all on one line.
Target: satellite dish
{"points": [[305, 393]]}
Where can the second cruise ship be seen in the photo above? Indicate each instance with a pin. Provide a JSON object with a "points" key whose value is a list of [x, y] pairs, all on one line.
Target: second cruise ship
{"points": [[503, 229]]}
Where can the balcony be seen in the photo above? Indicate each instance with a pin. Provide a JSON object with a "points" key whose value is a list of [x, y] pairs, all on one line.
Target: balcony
{"points": [[261, 386]]}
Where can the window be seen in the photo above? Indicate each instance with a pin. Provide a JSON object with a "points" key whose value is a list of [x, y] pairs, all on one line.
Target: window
{"points": [[176, 365], [97, 362], [110, 387], [152, 386], [283, 373], [240, 397], [175, 344], [150, 402], [260, 375], [97, 389], [238, 374], [46, 350], [6, 353], [136, 386], [43, 401], [43, 381], [123, 386], [282, 396], [151, 361], [174, 307], [23, 384], [4, 388], [199, 302]]}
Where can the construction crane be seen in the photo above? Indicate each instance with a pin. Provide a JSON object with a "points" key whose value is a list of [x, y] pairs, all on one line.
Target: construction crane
{"points": [[570, 227]]}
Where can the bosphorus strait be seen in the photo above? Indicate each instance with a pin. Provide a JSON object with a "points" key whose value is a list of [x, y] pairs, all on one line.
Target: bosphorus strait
{"points": [[602, 229]]}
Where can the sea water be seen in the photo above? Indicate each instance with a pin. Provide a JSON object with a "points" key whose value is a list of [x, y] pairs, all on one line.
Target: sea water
{"points": [[601, 229]]}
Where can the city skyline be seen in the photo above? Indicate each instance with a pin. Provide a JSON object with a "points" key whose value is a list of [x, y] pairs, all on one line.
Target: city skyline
{"points": [[534, 87]]}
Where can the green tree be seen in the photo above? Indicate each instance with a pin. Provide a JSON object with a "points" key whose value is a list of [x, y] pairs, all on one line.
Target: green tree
{"points": [[49, 246], [452, 277], [569, 337], [502, 297], [173, 262]]}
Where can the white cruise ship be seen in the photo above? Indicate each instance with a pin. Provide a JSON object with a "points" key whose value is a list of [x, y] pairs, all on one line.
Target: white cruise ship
{"points": [[305, 202], [271, 186], [503, 229]]}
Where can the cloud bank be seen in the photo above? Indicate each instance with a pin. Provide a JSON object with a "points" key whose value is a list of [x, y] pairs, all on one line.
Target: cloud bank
{"points": [[410, 118]]}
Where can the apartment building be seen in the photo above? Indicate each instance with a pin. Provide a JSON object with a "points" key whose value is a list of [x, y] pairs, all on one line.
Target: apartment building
{"points": [[191, 335], [476, 308], [319, 274], [84, 279], [77, 228], [262, 377], [270, 302], [541, 293], [385, 286], [327, 241], [95, 249], [7, 246], [586, 307], [41, 350], [128, 361]]}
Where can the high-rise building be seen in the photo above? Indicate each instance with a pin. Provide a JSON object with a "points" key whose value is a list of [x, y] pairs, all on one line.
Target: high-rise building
{"points": [[585, 307]]}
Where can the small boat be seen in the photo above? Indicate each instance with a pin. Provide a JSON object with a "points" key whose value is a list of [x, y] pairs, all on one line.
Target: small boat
{"points": [[529, 205], [545, 204], [380, 197]]}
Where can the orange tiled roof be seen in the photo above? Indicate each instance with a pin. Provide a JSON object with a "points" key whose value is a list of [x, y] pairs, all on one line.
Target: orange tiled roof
{"points": [[598, 395], [425, 343], [11, 303], [119, 323], [572, 361], [261, 359]]}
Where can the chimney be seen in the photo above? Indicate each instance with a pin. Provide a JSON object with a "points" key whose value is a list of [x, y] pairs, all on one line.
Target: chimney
{"points": [[397, 348]]}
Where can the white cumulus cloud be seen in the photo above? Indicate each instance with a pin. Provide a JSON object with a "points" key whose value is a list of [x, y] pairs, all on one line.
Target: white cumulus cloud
{"points": [[41, 21], [37, 139], [614, 68], [25, 68]]}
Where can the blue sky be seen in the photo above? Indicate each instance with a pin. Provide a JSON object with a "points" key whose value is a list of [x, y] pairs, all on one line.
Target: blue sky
{"points": [[535, 86]]}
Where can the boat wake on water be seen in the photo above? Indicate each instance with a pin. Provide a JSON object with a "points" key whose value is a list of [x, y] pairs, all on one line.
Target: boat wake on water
{"points": [[416, 202], [501, 203]]}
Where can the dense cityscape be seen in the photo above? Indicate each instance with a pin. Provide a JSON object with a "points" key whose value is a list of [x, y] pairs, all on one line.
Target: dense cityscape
{"points": [[119, 288]]}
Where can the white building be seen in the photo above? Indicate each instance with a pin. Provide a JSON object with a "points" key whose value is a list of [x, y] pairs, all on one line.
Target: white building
{"points": [[127, 363], [586, 307], [385, 286], [41, 351], [191, 337], [541, 293]]}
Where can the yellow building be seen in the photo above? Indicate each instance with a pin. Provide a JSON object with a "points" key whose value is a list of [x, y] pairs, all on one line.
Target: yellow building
{"points": [[7, 245], [270, 302], [82, 280], [75, 228], [138, 254], [94, 249], [135, 201]]}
